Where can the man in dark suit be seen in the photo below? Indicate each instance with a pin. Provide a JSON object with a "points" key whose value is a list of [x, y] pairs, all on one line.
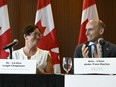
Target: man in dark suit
{"points": [[96, 46]]}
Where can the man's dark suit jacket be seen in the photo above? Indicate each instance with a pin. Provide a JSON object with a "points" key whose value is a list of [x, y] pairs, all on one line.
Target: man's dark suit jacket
{"points": [[108, 50]]}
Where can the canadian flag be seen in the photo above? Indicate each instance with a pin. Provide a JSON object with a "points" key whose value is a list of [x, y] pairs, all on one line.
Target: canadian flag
{"points": [[89, 12], [5, 32], [44, 20]]}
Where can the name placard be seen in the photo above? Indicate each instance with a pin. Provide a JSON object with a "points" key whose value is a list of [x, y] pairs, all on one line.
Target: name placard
{"points": [[8, 66], [94, 65]]}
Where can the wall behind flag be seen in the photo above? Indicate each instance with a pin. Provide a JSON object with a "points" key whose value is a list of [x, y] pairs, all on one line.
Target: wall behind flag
{"points": [[67, 19], [21, 13]]}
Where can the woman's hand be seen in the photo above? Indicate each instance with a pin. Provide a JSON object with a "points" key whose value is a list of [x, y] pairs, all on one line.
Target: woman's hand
{"points": [[48, 69]]}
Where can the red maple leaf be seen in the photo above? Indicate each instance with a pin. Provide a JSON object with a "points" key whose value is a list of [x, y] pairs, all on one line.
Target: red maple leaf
{"points": [[48, 42]]}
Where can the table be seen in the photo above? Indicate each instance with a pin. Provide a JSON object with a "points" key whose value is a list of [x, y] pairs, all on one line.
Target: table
{"points": [[90, 80], [21, 80], [31, 80]]}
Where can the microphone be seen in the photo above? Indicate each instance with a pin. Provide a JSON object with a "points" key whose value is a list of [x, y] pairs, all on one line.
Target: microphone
{"points": [[15, 41], [101, 41]]}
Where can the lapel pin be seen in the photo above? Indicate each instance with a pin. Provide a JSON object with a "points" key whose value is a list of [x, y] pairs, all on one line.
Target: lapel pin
{"points": [[107, 49]]}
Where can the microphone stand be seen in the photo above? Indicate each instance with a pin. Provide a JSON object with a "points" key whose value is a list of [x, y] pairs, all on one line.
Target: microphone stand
{"points": [[100, 46], [101, 42], [10, 52]]}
